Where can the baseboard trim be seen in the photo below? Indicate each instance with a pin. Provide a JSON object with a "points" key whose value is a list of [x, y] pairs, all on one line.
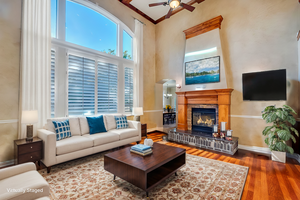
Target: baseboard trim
{"points": [[264, 150], [294, 156], [7, 163]]}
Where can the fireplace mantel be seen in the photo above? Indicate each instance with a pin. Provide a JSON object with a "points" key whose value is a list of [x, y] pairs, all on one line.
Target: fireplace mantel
{"points": [[220, 97]]}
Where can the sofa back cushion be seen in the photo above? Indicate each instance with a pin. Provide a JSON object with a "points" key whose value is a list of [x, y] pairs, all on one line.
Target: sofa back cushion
{"points": [[84, 125], [110, 122], [96, 124], [73, 121]]}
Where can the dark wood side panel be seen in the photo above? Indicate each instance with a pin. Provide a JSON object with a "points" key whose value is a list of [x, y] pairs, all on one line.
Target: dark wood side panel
{"points": [[132, 175]]}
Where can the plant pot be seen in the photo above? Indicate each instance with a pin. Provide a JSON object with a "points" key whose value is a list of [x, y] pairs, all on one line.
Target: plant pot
{"points": [[278, 156]]}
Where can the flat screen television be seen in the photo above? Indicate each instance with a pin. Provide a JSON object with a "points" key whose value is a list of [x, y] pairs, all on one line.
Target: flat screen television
{"points": [[265, 86]]}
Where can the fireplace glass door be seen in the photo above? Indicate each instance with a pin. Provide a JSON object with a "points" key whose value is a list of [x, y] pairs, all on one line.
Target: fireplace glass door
{"points": [[203, 119]]}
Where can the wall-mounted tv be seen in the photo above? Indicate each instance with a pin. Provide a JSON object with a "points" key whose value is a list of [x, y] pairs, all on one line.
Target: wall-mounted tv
{"points": [[265, 86]]}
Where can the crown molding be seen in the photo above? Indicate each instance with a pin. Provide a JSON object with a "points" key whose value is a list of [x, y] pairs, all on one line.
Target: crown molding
{"points": [[204, 27], [127, 3]]}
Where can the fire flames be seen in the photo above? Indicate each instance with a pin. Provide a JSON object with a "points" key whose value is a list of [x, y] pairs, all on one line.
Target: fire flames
{"points": [[206, 122]]}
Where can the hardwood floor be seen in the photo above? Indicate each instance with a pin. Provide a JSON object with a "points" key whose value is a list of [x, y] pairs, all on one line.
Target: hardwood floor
{"points": [[267, 180]]}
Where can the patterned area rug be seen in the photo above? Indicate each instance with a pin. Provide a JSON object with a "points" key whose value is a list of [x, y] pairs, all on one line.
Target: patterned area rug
{"points": [[200, 178]]}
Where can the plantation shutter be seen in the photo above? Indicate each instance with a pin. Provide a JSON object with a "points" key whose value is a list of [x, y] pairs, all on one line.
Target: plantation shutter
{"points": [[107, 88], [52, 83], [81, 89], [128, 89]]}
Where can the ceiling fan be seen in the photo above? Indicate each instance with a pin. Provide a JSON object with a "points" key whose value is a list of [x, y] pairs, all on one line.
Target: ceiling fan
{"points": [[174, 4]]}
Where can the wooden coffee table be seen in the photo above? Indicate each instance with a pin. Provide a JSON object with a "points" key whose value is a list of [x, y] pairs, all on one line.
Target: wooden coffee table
{"points": [[145, 172]]}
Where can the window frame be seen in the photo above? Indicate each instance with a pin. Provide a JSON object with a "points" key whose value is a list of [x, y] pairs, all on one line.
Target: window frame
{"points": [[66, 48]]}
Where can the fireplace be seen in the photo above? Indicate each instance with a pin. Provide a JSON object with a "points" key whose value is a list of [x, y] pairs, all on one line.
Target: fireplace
{"points": [[203, 119]]}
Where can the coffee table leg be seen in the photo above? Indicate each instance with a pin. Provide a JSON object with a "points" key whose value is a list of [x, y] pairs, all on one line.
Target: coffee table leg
{"points": [[114, 177], [147, 194], [176, 174]]}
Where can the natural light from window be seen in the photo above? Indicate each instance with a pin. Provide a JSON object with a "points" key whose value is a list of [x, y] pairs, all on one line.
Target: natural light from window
{"points": [[53, 18], [127, 46], [89, 28]]}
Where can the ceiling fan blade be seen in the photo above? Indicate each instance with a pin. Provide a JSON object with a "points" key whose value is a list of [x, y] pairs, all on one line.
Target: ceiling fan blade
{"points": [[157, 4], [169, 13], [188, 7], [199, 1]]}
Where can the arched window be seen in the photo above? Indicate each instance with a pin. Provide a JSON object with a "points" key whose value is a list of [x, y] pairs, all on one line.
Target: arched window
{"points": [[95, 50]]}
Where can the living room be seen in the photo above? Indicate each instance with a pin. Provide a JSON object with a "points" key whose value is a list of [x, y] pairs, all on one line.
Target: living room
{"points": [[77, 60]]}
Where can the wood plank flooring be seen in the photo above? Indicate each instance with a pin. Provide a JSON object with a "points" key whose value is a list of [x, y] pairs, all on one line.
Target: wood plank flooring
{"points": [[267, 180]]}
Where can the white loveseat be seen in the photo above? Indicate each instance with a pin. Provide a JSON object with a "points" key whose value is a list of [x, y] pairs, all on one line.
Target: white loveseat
{"points": [[82, 143]]}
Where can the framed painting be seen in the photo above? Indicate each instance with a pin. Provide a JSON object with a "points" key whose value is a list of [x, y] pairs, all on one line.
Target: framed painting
{"points": [[205, 70]]}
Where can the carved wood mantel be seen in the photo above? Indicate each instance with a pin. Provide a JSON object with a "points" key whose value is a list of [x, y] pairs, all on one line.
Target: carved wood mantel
{"points": [[220, 97], [204, 27]]}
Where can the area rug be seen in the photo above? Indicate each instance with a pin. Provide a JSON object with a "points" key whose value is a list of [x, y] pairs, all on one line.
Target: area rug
{"points": [[200, 178]]}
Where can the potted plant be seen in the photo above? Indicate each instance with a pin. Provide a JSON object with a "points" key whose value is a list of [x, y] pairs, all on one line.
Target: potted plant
{"points": [[280, 132]]}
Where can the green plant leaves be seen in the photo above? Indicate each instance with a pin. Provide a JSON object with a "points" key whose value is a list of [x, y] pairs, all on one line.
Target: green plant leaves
{"points": [[267, 129], [281, 146], [281, 130], [290, 149], [284, 135], [295, 131]]}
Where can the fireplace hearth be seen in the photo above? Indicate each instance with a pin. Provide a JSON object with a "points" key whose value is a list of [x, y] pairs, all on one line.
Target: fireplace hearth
{"points": [[203, 119]]}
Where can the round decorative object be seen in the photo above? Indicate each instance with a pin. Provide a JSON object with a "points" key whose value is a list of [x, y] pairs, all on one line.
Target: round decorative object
{"points": [[222, 134], [216, 135], [148, 142]]}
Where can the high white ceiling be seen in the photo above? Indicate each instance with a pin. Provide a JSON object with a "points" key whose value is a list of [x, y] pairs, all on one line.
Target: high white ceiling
{"points": [[153, 12]]}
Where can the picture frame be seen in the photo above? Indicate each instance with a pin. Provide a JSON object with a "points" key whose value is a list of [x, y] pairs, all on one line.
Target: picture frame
{"points": [[202, 71]]}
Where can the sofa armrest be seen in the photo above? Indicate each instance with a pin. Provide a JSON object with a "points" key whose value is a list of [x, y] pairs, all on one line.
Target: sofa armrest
{"points": [[15, 170], [49, 140], [137, 125]]}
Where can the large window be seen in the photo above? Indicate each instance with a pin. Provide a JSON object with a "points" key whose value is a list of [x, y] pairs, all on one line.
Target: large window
{"points": [[127, 46], [89, 28], [53, 18], [52, 83], [95, 50], [81, 87]]}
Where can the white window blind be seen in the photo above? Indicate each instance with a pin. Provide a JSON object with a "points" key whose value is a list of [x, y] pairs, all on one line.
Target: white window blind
{"points": [[107, 88], [81, 88], [128, 89], [52, 83]]}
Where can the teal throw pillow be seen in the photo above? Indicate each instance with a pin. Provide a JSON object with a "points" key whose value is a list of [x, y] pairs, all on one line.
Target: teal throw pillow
{"points": [[96, 124]]}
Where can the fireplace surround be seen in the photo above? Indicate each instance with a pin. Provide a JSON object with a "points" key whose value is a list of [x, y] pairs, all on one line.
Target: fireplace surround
{"points": [[219, 99]]}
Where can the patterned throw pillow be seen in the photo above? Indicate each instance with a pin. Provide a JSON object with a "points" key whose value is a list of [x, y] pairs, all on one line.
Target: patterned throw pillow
{"points": [[62, 129], [121, 122]]}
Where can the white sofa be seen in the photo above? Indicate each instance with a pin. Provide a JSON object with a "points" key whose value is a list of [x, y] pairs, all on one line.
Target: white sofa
{"points": [[82, 143], [23, 182]]}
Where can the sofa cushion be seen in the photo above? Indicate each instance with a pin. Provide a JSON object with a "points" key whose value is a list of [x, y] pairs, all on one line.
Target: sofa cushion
{"points": [[96, 124], [30, 179], [73, 121], [126, 133], [110, 122], [72, 144], [62, 129], [103, 138], [84, 125]]}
